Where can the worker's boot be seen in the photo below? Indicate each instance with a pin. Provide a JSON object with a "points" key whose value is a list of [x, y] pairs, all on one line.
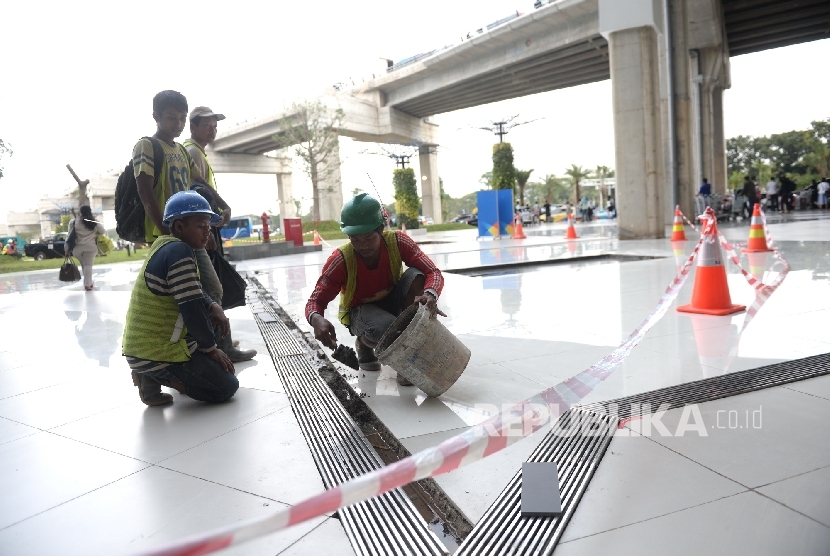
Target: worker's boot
{"points": [[366, 358], [150, 391], [236, 355]]}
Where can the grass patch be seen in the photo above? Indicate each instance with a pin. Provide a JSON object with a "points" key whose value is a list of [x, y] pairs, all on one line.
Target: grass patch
{"points": [[449, 226], [10, 264]]}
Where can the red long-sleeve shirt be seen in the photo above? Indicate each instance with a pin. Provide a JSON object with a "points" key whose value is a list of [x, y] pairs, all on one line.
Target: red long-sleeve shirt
{"points": [[333, 277]]}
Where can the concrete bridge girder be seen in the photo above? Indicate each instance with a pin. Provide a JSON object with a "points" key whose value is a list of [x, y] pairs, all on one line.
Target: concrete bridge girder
{"points": [[280, 166], [241, 149]]}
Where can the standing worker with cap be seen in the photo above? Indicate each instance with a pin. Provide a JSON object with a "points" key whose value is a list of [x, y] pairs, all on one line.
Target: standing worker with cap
{"points": [[203, 125], [168, 335], [368, 274]]}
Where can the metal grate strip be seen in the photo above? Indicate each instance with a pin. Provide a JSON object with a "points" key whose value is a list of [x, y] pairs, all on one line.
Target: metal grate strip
{"points": [[576, 443], [723, 386], [385, 525], [502, 530]]}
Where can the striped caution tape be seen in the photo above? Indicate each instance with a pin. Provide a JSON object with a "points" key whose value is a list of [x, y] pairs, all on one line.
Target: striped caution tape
{"points": [[762, 292], [474, 444]]}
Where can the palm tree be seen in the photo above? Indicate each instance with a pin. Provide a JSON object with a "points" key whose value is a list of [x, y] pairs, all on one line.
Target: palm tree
{"points": [[576, 173], [521, 179]]}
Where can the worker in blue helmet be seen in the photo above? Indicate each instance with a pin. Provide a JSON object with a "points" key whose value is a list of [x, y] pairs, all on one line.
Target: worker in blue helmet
{"points": [[170, 332]]}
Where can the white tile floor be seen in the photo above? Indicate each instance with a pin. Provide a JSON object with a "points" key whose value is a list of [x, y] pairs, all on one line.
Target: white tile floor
{"points": [[89, 469]]}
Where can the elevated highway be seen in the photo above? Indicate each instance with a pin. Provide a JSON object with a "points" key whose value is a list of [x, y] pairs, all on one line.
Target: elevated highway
{"points": [[669, 65]]}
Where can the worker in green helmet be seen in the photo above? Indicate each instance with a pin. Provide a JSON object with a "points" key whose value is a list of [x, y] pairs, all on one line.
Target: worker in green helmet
{"points": [[368, 274]]}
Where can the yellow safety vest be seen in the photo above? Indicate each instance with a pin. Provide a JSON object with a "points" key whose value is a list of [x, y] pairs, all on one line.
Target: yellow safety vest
{"points": [[346, 296]]}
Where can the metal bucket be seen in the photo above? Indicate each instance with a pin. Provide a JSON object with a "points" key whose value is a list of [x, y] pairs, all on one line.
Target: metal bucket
{"points": [[423, 351]]}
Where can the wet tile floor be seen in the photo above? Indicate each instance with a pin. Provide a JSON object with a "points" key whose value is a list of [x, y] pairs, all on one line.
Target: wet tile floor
{"points": [[86, 465]]}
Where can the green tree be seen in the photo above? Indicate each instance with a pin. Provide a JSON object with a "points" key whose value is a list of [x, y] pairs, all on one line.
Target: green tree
{"points": [[818, 141], [314, 129], [486, 180], [742, 151], [4, 150], [406, 197], [576, 174], [504, 173], [521, 180], [64, 225], [787, 150]]}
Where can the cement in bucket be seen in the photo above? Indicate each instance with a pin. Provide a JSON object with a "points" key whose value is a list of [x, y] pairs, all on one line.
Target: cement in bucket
{"points": [[423, 351]]}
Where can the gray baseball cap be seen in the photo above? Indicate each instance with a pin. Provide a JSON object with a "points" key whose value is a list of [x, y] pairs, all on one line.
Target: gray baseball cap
{"points": [[203, 112]]}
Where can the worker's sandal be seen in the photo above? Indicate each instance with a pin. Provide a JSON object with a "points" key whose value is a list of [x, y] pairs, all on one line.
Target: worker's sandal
{"points": [[366, 359]]}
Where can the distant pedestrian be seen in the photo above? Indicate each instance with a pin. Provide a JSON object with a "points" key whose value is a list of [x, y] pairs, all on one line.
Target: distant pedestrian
{"points": [[705, 188], [786, 192], [87, 230], [547, 211], [772, 194], [823, 187]]}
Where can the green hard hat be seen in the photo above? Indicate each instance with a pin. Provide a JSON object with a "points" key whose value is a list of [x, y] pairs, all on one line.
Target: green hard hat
{"points": [[360, 215]]}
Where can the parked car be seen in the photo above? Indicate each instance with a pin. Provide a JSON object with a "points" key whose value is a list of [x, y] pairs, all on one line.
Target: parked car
{"points": [[49, 248], [528, 216], [462, 218], [425, 220]]}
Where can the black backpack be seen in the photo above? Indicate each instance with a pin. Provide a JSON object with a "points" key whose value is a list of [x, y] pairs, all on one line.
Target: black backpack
{"points": [[129, 210]]}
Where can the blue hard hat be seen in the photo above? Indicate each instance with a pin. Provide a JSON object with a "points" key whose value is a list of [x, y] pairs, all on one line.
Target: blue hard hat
{"points": [[185, 203]]}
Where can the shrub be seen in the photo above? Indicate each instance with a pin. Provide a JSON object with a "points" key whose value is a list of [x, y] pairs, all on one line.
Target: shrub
{"points": [[406, 197], [504, 173]]}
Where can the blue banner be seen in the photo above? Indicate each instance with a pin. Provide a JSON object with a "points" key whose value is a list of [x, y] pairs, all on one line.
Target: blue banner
{"points": [[488, 213], [506, 212], [495, 213]]}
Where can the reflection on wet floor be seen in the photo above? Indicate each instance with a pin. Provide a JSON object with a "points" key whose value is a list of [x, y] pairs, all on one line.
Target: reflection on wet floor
{"points": [[528, 329]]}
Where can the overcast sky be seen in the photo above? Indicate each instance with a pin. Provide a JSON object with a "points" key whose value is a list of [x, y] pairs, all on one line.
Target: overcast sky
{"points": [[78, 80]]}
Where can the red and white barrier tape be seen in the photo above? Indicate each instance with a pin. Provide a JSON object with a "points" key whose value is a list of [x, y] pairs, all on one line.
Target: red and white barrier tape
{"points": [[472, 445]]}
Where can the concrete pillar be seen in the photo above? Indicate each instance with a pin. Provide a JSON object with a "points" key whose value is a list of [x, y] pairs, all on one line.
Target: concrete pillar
{"points": [[637, 132], [719, 174], [330, 187], [430, 183], [285, 193], [685, 111]]}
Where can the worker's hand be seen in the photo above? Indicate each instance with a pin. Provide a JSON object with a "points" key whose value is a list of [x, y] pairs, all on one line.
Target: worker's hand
{"points": [[222, 358], [218, 318], [211, 244], [431, 305], [324, 331]]}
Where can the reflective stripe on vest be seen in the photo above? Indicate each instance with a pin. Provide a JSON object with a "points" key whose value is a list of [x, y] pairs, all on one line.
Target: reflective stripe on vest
{"points": [[346, 296]]}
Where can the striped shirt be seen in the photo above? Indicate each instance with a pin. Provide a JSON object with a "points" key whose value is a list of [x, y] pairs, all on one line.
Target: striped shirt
{"points": [[172, 272], [333, 277]]}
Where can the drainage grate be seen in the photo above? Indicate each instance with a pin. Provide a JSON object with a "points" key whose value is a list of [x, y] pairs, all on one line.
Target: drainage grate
{"points": [[385, 525], [723, 386], [502, 530], [577, 444]]}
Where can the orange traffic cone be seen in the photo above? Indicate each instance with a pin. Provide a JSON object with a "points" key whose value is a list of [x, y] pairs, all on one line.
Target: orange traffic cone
{"points": [[518, 231], [710, 295], [316, 238], [757, 238], [571, 230], [677, 232]]}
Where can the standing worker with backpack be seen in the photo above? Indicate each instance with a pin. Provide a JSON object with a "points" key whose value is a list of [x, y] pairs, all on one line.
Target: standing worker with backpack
{"points": [[158, 179], [203, 124]]}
